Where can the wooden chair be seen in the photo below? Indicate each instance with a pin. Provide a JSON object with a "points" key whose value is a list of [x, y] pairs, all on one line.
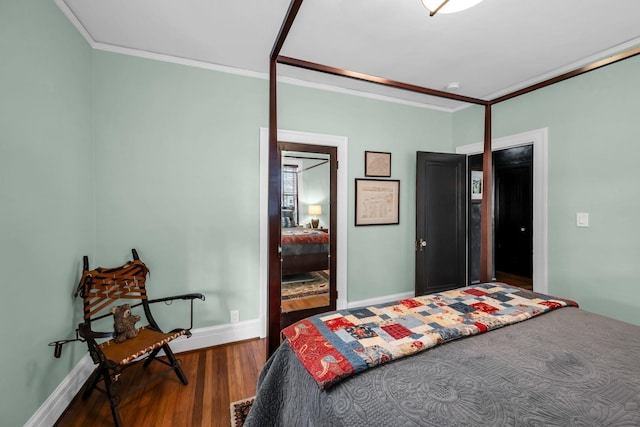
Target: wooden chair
{"points": [[103, 288]]}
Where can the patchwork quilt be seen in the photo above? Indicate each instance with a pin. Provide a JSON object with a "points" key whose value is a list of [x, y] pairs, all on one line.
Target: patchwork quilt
{"points": [[333, 346]]}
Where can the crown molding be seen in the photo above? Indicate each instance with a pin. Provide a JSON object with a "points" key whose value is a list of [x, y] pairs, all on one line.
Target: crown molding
{"points": [[106, 47], [567, 68]]}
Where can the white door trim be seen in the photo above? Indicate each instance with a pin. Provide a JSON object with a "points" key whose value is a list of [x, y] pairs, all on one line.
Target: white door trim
{"points": [[341, 143], [539, 139]]}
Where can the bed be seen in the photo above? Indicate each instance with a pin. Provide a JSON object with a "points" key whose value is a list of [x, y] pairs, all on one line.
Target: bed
{"points": [[553, 365], [304, 250]]}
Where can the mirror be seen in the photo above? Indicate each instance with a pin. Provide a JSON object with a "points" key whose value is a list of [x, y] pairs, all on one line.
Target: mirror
{"points": [[305, 230]]}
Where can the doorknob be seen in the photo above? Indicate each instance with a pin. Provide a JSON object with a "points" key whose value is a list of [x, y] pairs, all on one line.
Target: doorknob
{"points": [[420, 245]]}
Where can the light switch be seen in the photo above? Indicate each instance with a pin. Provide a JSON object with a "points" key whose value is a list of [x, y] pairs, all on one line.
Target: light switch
{"points": [[582, 219]]}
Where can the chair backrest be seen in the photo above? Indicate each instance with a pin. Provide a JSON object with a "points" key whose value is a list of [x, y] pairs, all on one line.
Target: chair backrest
{"points": [[102, 287]]}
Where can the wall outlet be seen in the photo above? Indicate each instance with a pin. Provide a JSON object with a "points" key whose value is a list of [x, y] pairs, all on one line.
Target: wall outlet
{"points": [[235, 316], [582, 219]]}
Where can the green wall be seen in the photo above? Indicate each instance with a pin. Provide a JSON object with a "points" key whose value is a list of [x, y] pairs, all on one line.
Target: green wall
{"points": [[101, 152], [593, 155], [316, 190], [46, 198], [380, 258], [177, 163], [177, 177]]}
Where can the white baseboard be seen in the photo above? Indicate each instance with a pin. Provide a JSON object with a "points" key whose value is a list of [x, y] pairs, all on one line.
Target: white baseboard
{"points": [[57, 402], [51, 410], [381, 300], [221, 334]]}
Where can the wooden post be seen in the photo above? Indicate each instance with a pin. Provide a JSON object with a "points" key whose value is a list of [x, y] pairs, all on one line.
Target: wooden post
{"points": [[274, 276], [486, 233], [273, 292]]}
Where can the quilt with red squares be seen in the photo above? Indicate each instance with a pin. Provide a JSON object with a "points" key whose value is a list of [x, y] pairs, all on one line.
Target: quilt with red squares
{"points": [[333, 346], [305, 235]]}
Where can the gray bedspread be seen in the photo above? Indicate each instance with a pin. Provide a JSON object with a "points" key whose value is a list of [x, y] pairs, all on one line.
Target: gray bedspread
{"points": [[567, 367]]}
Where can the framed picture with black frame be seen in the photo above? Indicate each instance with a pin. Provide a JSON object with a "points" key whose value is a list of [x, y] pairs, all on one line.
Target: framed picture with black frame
{"points": [[377, 201], [377, 163], [476, 186]]}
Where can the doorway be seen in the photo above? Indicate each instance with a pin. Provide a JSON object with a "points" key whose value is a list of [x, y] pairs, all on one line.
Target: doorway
{"points": [[270, 319], [307, 229], [513, 216], [538, 138]]}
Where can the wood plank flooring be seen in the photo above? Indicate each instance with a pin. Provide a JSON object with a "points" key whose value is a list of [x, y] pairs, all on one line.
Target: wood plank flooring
{"points": [[515, 280], [217, 376], [305, 303]]}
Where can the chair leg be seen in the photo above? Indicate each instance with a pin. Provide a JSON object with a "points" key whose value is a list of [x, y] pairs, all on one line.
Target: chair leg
{"points": [[151, 356], [103, 372], [114, 400], [174, 362], [92, 381], [116, 416]]}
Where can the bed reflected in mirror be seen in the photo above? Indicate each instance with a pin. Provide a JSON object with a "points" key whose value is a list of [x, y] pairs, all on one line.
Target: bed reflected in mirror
{"points": [[305, 226]]}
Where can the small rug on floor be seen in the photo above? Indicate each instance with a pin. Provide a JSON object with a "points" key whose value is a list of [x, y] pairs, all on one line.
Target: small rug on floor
{"points": [[240, 410], [305, 285]]}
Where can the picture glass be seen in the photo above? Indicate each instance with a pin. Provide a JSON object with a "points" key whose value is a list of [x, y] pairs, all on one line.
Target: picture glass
{"points": [[377, 202]]}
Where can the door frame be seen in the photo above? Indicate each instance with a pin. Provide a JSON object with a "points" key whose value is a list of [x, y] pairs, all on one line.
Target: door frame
{"points": [[290, 317], [341, 142], [539, 139]]}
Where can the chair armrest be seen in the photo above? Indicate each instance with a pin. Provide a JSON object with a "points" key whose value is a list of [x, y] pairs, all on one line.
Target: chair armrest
{"points": [[184, 297], [86, 332], [176, 297]]}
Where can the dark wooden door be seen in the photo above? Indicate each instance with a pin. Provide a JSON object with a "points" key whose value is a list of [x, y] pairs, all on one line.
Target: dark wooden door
{"points": [[513, 171], [441, 222]]}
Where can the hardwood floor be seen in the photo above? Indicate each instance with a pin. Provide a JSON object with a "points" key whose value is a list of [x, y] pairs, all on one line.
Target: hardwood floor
{"points": [[305, 303], [217, 376], [320, 280], [515, 280]]}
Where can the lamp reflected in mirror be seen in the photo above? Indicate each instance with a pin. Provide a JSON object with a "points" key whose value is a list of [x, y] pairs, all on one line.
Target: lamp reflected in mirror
{"points": [[315, 210]]}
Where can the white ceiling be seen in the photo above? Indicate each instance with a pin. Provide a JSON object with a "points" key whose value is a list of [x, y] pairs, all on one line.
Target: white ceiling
{"points": [[491, 49]]}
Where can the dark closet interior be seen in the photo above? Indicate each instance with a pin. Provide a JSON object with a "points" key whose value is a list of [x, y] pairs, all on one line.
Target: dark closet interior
{"points": [[513, 216]]}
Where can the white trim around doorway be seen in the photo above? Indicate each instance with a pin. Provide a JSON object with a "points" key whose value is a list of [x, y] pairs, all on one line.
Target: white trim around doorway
{"points": [[341, 143], [539, 139]]}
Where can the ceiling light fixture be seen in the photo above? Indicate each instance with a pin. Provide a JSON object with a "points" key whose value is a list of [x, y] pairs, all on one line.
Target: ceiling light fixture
{"points": [[453, 86], [448, 6]]}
